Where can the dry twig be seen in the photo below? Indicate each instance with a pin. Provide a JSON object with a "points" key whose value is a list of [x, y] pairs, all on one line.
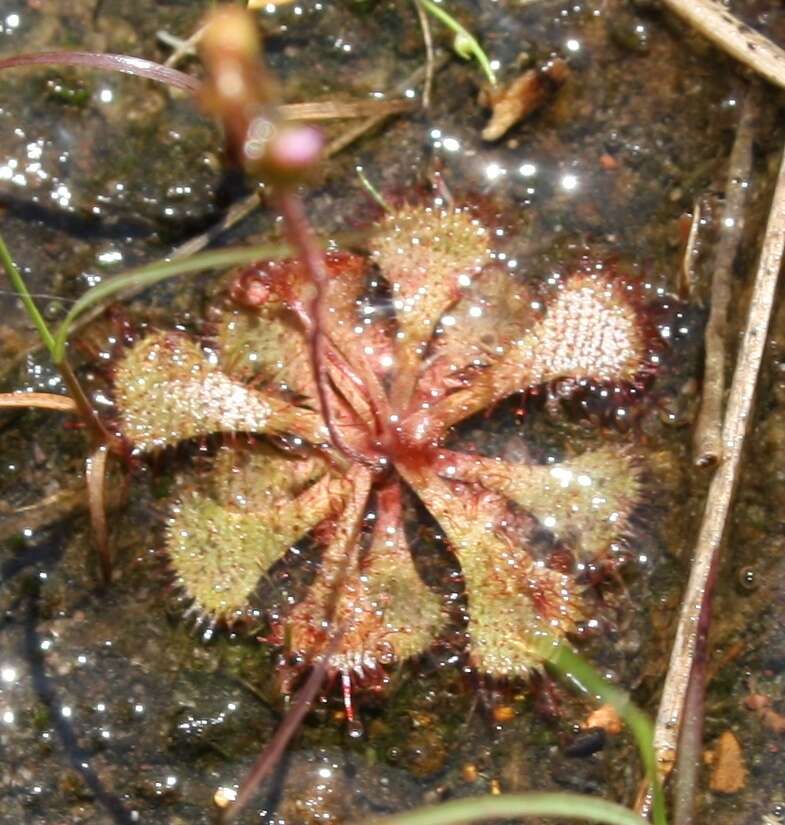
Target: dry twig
{"points": [[342, 109], [695, 613], [427, 37], [54, 508], [41, 400], [686, 285], [95, 473], [183, 48], [733, 36], [65, 503], [350, 135], [707, 441]]}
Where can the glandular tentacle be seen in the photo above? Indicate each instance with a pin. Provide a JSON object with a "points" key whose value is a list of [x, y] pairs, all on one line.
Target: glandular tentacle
{"points": [[591, 334], [168, 390], [219, 548], [586, 501], [512, 599], [427, 252]]}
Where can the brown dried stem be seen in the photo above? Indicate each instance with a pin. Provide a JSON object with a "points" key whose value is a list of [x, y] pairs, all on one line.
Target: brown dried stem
{"points": [[733, 36], [427, 37], [696, 607], [686, 284], [49, 510], [707, 441], [343, 109], [185, 48], [59, 506], [95, 471], [40, 400], [357, 131]]}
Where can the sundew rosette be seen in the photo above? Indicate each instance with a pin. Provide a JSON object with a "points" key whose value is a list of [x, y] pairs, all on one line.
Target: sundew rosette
{"points": [[457, 335]]}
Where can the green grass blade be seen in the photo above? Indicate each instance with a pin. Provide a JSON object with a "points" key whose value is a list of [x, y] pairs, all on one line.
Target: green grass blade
{"points": [[513, 806], [570, 665], [20, 287], [465, 43], [371, 189], [153, 273]]}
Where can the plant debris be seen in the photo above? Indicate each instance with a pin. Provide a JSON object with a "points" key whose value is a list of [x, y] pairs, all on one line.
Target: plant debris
{"points": [[518, 99]]}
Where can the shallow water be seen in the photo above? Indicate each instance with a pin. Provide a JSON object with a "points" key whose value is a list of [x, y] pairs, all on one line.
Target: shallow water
{"points": [[112, 708]]}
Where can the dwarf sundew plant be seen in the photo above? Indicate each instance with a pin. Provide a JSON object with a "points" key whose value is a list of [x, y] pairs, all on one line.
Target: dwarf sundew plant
{"points": [[424, 330], [331, 385], [324, 396]]}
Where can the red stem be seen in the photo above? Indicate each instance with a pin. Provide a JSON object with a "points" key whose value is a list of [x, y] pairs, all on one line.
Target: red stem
{"points": [[389, 508], [269, 757], [303, 240], [85, 408], [127, 64], [348, 528]]}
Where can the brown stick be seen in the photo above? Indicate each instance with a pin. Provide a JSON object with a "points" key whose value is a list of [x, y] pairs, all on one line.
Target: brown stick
{"points": [[63, 504], [95, 471], [696, 605], [58, 506], [185, 48], [707, 441], [343, 109], [350, 135], [40, 400], [427, 37], [687, 272], [733, 36]]}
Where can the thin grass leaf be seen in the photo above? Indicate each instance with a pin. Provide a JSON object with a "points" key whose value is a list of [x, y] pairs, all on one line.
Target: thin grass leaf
{"points": [[371, 189], [153, 273], [20, 287], [79, 402], [124, 63], [564, 805], [581, 673], [465, 43]]}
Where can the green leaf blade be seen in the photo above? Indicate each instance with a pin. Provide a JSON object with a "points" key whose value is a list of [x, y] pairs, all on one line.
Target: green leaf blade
{"points": [[151, 274]]}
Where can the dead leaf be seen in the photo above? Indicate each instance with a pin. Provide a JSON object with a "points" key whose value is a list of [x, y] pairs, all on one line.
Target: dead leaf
{"points": [[729, 774], [604, 717], [521, 97]]}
